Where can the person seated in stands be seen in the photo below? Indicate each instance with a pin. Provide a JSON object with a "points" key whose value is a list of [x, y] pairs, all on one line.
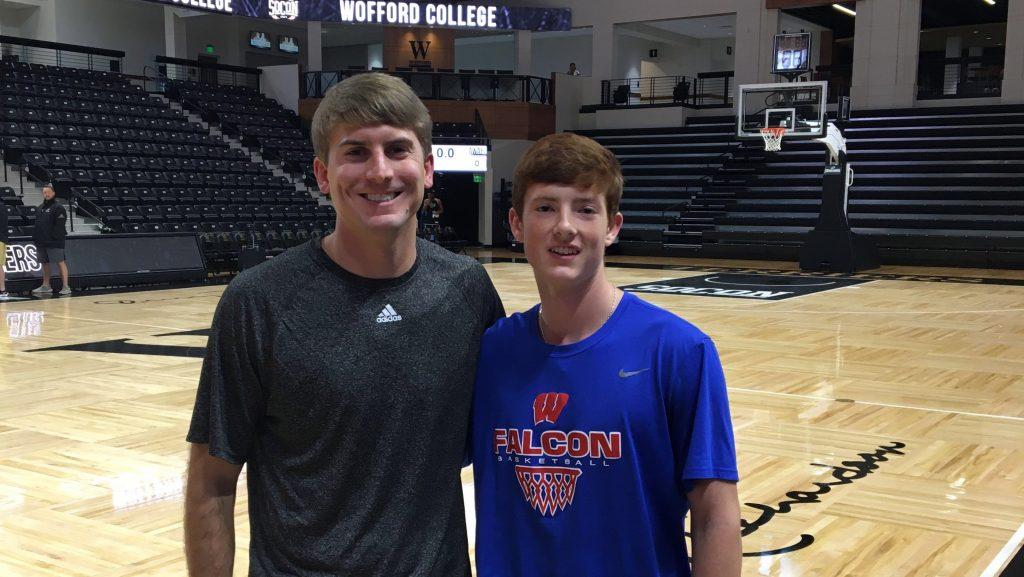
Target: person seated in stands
{"points": [[573, 71]]}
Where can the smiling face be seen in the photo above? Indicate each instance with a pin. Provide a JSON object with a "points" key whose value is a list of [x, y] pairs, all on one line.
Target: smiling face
{"points": [[375, 176], [564, 230]]}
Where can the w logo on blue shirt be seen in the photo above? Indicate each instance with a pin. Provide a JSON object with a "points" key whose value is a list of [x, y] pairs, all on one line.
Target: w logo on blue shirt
{"points": [[548, 406]]}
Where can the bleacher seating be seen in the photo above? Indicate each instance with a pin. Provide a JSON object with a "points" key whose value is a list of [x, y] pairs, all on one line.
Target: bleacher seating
{"points": [[19, 216], [138, 165], [661, 168], [265, 125], [932, 186], [259, 122]]}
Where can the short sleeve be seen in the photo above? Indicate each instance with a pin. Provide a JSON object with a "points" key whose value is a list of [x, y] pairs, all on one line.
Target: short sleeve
{"points": [[700, 420], [497, 309], [494, 311], [492, 307], [230, 401]]}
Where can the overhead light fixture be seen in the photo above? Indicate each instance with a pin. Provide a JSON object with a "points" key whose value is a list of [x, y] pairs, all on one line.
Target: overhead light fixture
{"points": [[990, 2], [844, 9]]}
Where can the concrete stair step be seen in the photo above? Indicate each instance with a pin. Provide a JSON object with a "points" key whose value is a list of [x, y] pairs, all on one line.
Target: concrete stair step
{"points": [[676, 236]]}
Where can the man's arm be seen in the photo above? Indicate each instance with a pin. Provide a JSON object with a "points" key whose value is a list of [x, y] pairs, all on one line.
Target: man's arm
{"points": [[715, 526], [209, 513]]}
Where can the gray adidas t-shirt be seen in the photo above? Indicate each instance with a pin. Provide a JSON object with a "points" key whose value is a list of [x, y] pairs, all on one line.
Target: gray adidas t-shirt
{"points": [[349, 399]]}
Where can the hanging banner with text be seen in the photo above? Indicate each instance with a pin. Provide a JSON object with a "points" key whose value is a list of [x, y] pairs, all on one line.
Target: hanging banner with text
{"points": [[468, 16]]}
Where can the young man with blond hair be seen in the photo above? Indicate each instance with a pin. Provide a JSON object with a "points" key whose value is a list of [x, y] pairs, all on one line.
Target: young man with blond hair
{"points": [[599, 419], [341, 371]]}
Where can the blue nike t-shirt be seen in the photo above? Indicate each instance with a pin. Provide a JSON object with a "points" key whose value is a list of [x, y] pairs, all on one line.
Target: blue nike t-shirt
{"points": [[583, 454]]}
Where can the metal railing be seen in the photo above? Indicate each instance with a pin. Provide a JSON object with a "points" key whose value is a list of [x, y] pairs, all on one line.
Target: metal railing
{"points": [[698, 186], [446, 85], [963, 77], [30, 51], [172, 69], [150, 74], [706, 90], [838, 77], [479, 122]]}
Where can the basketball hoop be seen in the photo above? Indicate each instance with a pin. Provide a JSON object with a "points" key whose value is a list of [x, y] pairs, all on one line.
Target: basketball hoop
{"points": [[773, 137], [548, 489]]}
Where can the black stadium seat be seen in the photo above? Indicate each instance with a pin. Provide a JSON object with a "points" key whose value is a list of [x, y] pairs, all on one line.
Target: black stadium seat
{"points": [[142, 166]]}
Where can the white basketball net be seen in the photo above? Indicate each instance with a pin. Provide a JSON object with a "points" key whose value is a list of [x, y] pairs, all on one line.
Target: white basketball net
{"points": [[773, 137]]}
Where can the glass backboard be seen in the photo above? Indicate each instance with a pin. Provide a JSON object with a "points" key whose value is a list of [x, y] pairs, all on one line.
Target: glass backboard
{"points": [[797, 106]]}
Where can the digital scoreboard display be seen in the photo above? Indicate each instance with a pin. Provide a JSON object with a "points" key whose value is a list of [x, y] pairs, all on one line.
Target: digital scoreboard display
{"points": [[792, 53]]}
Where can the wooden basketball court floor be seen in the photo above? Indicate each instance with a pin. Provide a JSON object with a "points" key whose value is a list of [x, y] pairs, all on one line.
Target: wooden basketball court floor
{"points": [[879, 427]]}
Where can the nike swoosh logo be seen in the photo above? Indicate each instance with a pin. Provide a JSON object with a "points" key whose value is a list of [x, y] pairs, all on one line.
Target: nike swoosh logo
{"points": [[623, 373]]}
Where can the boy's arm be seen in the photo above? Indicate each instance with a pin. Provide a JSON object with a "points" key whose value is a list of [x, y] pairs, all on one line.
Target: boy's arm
{"points": [[715, 526]]}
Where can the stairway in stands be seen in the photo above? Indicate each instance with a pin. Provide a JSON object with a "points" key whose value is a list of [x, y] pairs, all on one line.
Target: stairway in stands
{"points": [[662, 169], [933, 186], [938, 186]]}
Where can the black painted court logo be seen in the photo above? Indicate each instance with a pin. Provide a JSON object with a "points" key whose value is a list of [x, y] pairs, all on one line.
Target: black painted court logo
{"points": [[744, 286], [847, 473], [850, 471], [127, 347]]}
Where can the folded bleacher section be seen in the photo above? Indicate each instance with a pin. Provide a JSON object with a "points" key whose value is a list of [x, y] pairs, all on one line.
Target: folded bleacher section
{"points": [[137, 165], [662, 168], [933, 186]]}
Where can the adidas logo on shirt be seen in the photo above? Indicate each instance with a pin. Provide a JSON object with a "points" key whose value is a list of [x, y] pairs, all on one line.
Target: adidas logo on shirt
{"points": [[388, 315]]}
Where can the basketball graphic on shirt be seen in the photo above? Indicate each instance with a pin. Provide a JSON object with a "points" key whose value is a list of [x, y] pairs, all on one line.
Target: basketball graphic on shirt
{"points": [[548, 489], [549, 462]]}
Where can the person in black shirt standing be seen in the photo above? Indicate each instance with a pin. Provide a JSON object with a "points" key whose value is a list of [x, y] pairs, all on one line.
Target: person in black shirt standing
{"points": [[49, 235], [432, 208], [341, 372]]}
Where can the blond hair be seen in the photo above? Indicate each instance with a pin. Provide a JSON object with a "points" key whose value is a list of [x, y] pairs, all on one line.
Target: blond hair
{"points": [[370, 99]]}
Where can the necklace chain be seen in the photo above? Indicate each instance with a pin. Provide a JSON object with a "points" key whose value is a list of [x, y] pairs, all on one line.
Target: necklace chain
{"points": [[540, 314]]}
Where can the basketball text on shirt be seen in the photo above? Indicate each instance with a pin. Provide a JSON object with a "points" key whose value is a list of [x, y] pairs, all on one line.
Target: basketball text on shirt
{"points": [[556, 446]]}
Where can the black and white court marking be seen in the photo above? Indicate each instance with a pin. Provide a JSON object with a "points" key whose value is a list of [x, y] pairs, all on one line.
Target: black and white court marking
{"points": [[744, 286]]}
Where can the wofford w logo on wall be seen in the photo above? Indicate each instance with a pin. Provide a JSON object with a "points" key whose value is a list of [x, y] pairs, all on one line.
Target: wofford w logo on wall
{"points": [[419, 48]]}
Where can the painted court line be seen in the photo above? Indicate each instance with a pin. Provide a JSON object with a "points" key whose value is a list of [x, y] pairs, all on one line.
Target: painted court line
{"points": [[910, 407], [874, 312], [1004, 553], [51, 315]]}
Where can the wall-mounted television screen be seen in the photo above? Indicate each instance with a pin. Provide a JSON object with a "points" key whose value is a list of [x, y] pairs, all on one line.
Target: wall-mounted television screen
{"points": [[259, 40], [288, 44]]}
